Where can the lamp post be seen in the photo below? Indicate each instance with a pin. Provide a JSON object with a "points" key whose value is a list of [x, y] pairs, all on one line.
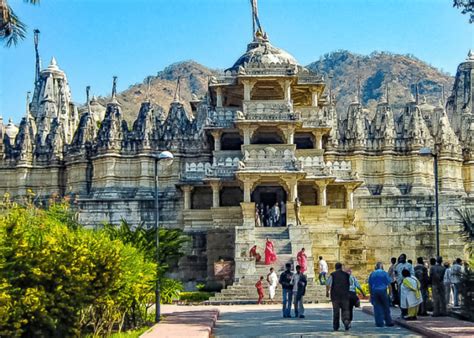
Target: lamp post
{"points": [[166, 159], [429, 152]]}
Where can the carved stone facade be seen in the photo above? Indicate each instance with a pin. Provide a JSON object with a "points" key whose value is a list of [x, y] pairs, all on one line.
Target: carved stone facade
{"points": [[266, 132]]}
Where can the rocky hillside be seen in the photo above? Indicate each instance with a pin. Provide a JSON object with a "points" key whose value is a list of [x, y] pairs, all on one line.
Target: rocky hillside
{"points": [[377, 70]]}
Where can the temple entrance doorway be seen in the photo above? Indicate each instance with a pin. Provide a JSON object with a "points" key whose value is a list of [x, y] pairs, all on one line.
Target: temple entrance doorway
{"points": [[265, 198]]}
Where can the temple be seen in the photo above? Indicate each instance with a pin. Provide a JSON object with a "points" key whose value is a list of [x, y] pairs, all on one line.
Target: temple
{"points": [[267, 132]]}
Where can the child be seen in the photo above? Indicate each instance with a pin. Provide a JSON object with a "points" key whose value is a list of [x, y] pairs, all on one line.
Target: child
{"points": [[259, 286]]}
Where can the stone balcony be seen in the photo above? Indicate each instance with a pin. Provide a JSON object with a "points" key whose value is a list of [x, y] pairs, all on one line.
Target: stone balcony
{"points": [[258, 110], [279, 157], [223, 117], [315, 117], [223, 168]]}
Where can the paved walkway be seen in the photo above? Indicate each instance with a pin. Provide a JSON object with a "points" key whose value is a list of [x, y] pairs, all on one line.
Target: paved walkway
{"points": [[266, 321], [433, 327]]}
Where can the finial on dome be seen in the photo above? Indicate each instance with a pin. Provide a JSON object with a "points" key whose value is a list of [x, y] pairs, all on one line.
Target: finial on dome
{"points": [[53, 64], [88, 89], [470, 55], [114, 91], [148, 86]]}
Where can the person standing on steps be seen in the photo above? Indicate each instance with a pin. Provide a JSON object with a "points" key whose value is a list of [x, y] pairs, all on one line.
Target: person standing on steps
{"points": [[421, 273], [337, 286], [297, 211], [270, 254], [323, 270], [437, 271], [259, 286], [272, 280], [287, 290], [302, 260], [299, 283]]}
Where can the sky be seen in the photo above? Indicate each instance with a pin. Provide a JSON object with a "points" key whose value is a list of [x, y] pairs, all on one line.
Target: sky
{"points": [[94, 40]]}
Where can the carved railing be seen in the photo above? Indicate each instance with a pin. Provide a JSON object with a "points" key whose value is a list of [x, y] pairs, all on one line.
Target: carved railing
{"points": [[273, 70], [223, 80], [275, 157], [308, 79], [227, 158], [220, 171], [223, 117], [269, 110], [314, 165], [315, 117], [342, 170], [200, 170]]}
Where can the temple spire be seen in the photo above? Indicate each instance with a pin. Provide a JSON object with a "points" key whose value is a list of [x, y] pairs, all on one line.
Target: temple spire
{"points": [[88, 89], [177, 93], [257, 30], [148, 86], [38, 60], [358, 82], [114, 91]]}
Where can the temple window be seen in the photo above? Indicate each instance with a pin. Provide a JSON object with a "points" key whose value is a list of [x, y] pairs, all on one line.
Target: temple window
{"points": [[304, 140], [231, 196], [307, 194], [201, 198], [268, 136], [231, 141], [336, 196]]}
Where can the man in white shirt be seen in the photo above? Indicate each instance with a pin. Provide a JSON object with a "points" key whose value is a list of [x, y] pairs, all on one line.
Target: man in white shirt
{"points": [[272, 280], [456, 275], [323, 270]]}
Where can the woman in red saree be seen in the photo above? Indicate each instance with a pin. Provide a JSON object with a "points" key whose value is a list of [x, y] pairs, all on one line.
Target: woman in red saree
{"points": [[253, 253], [302, 260], [270, 255]]}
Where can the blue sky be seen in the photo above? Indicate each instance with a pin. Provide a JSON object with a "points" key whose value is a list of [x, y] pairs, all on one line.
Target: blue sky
{"points": [[96, 39]]}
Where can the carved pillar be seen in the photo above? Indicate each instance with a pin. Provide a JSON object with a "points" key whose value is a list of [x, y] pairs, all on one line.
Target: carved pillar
{"points": [[216, 134], [248, 85], [287, 90], [248, 132], [219, 97], [314, 98], [321, 186], [318, 140], [216, 188], [349, 197], [293, 189], [247, 190], [290, 135], [187, 189]]}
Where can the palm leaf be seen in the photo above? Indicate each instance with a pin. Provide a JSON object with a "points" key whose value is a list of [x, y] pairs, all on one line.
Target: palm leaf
{"points": [[466, 221]]}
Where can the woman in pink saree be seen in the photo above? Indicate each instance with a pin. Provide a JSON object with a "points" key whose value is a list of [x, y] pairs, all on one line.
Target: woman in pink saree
{"points": [[270, 255], [302, 260]]}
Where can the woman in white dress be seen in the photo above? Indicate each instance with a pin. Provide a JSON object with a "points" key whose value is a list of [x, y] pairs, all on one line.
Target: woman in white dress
{"points": [[410, 295], [272, 280]]}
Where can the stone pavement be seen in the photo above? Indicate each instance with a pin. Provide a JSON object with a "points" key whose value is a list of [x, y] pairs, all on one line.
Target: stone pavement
{"points": [[186, 321], [433, 327], [266, 321]]}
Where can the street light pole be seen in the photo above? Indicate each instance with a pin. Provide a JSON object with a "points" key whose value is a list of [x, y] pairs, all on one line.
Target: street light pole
{"points": [[166, 158], [429, 152]]}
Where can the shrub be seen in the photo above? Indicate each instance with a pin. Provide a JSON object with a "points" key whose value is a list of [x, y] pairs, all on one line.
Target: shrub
{"points": [[195, 296], [57, 280]]}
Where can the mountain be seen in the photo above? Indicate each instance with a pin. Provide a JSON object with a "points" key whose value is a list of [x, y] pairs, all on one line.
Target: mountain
{"points": [[375, 71]]}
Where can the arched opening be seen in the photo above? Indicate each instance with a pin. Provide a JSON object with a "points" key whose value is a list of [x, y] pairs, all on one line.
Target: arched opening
{"points": [[268, 135], [231, 141], [271, 201], [201, 198], [304, 140], [267, 90], [307, 194], [231, 196]]}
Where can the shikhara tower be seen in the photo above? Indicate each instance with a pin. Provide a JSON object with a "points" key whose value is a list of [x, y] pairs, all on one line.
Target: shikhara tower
{"points": [[266, 131]]}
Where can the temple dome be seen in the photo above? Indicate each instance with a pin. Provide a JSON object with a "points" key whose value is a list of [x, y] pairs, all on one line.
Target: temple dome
{"points": [[262, 52]]}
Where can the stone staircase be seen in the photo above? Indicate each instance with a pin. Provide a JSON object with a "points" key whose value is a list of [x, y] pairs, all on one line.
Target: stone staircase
{"points": [[243, 290]]}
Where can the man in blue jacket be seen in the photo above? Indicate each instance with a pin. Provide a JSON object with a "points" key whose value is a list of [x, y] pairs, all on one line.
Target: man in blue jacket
{"points": [[379, 281]]}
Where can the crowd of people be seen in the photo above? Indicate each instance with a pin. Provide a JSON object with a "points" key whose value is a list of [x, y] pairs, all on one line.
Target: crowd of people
{"points": [[404, 285], [270, 216]]}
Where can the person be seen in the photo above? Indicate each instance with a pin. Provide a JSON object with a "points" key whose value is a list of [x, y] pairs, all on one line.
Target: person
{"points": [[268, 219], [297, 211], [447, 282], [287, 290], [456, 276], [272, 280], [261, 212], [270, 255], [323, 270], [338, 286], [421, 273], [402, 265], [283, 213], [410, 261], [257, 218], [302, 260], [379, 281], [393, 291], [253, 253], [299, 283], [259, 286], [437, 271], [353, 298], [410, 295], [275, 215]]}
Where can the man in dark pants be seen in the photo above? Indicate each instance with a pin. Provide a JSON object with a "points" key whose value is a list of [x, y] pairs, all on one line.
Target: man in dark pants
{"points": [[287, 290], [338, 285], [394, 299], [437, 288], [421, 273]]}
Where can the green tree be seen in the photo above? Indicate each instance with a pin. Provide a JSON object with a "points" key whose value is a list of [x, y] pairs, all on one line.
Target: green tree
{"points": [[12, 29], [467, 7]]}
